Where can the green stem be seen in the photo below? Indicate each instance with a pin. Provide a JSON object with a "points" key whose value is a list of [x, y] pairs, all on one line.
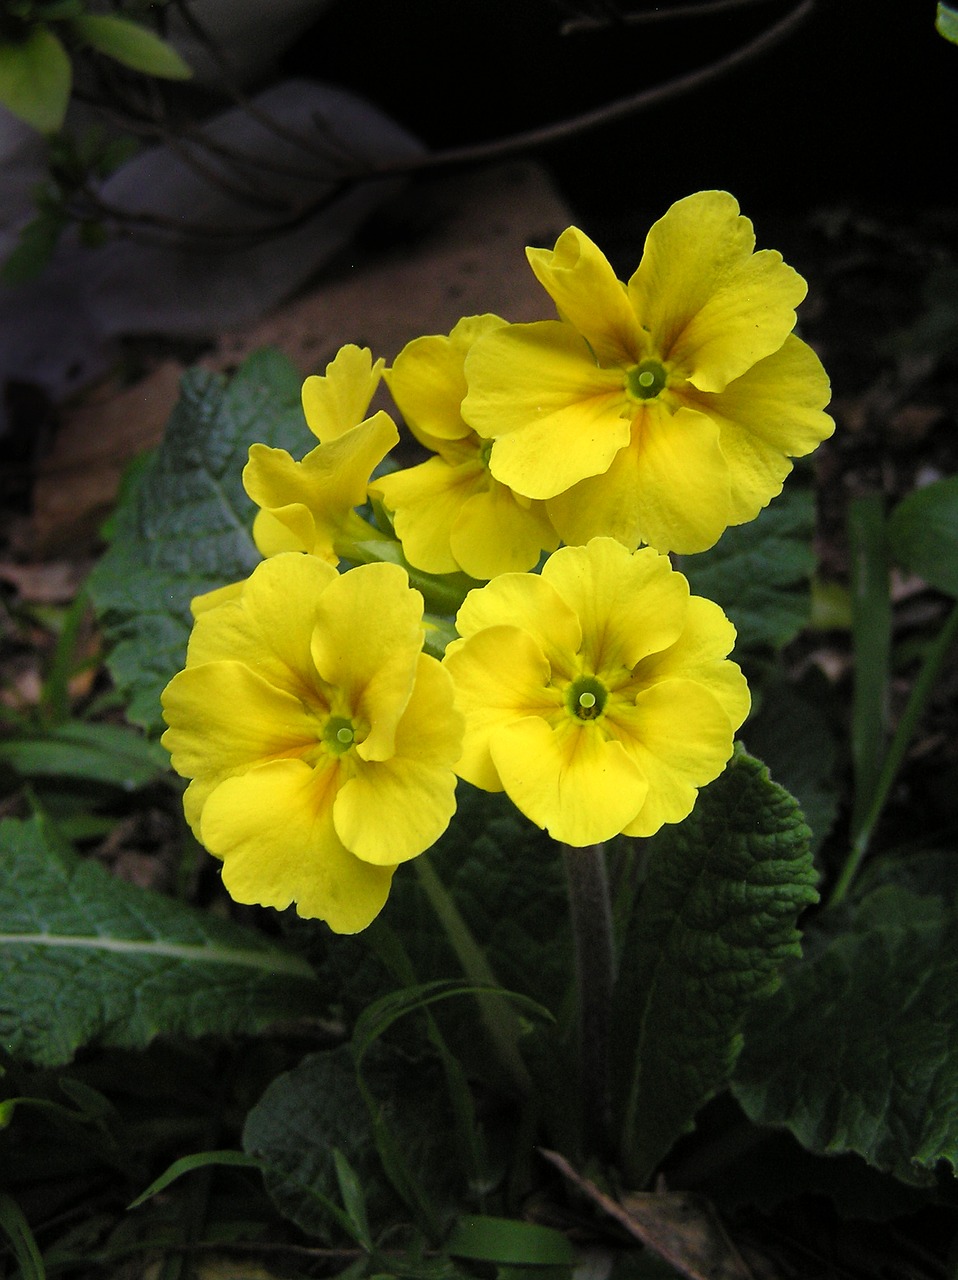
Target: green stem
{"points": [[499, 1017], [914, 710], [591, 917], [443, 593]]}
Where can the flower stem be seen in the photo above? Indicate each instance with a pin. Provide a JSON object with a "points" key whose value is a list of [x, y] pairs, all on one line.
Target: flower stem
{"points": [[499, 1017], [591, 917]]}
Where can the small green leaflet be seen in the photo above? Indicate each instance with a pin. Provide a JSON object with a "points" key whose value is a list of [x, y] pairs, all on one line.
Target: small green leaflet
{"points": [[877, 994], [36, 78], [715, 923], [946, 24], [184, 526], [923, 534], [87, 958]]}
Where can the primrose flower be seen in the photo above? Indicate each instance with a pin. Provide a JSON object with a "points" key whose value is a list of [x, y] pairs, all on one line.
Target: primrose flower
{"points": [[310, 505], [597, 695], [450, 512], [320, 740], [664, 410]]}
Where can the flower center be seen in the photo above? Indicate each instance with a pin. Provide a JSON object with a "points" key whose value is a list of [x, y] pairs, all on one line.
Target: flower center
{"points": [[644, 381], [586, 698], [338, 735], [485, 451]]}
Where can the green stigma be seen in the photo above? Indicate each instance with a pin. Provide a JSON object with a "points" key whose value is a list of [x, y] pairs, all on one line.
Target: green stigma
{"points": [[338, 735], [644, 381], [586, 698], [485, 452]]}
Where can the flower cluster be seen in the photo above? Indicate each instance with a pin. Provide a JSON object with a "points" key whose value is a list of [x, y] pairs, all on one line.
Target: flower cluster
{"points": [[584, 680]]}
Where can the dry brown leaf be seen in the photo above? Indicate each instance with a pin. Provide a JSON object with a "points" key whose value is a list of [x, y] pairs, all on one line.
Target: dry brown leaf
{"points": [[680, 1227]]}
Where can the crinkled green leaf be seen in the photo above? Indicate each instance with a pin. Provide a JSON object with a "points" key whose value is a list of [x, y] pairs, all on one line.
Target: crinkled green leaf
{"points": [[715, 923], [857, 1051], [35, 79], [85, 958], [923, 532], [308, 1114], [760, 572], [132, 44], [184, 527]]}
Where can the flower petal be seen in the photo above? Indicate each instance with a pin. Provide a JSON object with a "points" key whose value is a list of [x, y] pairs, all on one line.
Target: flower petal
{"points": [[224, 718], [683, 483], [425, 502], [299, 859], [337, 402], [713, 307], [699, 654], [554, 414], [571, 780], [428, 383], [495, 534], [680, 736], [372, 667], [501, 675], [268, 627], [629, 604], [770, 414], [531, 603], [390, 811], [578, 278], [314, 498]]}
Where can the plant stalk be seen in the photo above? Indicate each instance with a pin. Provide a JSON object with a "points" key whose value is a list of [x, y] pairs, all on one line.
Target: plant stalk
{"points": [[594, 956]]}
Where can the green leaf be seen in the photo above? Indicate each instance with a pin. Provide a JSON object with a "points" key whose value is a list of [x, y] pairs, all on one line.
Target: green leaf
{"points": [[759, 572], [946, 23], [508, 1241], [923, 532], [85, 957], [132, 44], [108, 753], [308, 1114], [35, 246], [715, 923], [35, 79], [857, 1052], [17, 1230], [792, 735], [184, 526], [186, 1164]]}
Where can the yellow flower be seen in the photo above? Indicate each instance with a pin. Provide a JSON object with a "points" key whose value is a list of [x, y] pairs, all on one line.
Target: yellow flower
{"points": [[449, 512], [597, 695], [309, 505], [664, 410], [320, 740]]}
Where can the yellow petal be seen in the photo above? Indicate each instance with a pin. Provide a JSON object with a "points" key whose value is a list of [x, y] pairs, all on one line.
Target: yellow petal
{"points": [[366, 643], [554, 414], [269, 627], [224, 718], [393, 810], [501, 675], [682, 476], [337, 402], [425, 502], [680, 736], [313, 499], [699, 654], [628, 604], [213, 599], [299, 858], [772, 413], [292, 529], [580, 281], [428, 383], [713, 306], [574, 782], [530, 602], [494, 534], [605, 506]]}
